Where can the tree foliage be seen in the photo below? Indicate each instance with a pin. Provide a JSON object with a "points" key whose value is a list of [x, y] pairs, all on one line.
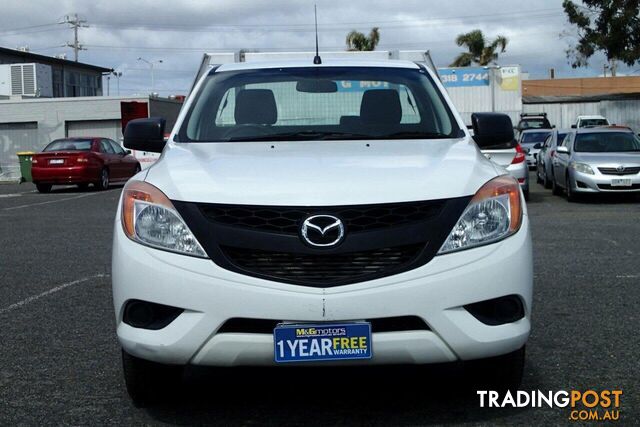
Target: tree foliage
{"points": [[358, 41], [479, 50], [609, 26]]}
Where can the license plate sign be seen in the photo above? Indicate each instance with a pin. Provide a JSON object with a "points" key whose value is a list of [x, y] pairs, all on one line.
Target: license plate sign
{"points": [[322, 342], [621, 182], [56, 161]]}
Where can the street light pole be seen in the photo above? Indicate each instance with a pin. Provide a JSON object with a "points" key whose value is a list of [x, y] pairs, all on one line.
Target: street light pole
{"points": [[151, 63], [117, 74]]}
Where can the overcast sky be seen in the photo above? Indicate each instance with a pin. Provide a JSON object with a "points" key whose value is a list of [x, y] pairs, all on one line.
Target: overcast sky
{"points": [[178, 32]]}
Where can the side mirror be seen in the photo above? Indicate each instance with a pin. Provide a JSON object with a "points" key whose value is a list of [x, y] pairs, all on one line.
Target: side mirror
{"points": [[573, 126], [127, 152], [145, 134], [491, 129], [537, 146], [562, 150]]}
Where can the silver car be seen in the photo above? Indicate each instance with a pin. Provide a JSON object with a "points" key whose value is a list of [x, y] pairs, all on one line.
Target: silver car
{"points": [[544, 167], [597, 160], [531, 141], [512, 158]]}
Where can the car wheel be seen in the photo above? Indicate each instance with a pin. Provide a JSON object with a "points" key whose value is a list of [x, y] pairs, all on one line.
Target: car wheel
{"points": [[555, 189], [103, 183], [526, 193], [149, 382], [499, 373], [545, 181], [571, 195], [44, 188], [83, 186]]}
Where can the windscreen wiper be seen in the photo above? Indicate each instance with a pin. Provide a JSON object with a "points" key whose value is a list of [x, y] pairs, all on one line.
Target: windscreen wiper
{"points": [[414, 135], [306, 135]]}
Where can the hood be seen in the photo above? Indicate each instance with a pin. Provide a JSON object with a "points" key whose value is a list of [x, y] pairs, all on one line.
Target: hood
{"points": [[320, 173], [608, 159]]}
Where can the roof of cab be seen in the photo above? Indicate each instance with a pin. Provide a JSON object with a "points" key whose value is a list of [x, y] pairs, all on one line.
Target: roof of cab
{"points": [[604, 129], [394, 63]]}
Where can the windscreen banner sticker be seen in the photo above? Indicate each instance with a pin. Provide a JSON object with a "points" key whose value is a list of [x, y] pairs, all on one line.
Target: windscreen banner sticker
{"points": [[301, 343], [360, 85]]}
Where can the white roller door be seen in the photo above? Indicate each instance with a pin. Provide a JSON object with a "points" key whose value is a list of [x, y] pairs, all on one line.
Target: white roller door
{"points": [[103, 128], [15, 137]]}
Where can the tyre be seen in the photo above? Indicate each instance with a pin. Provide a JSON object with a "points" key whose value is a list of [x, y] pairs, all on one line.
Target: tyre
{"points": [[499, 373], [526, 193], [83, 186], [555, 189], [545, 181], [538, 179], [103, 182], [571, 195], [149, 382], [44, 188]]}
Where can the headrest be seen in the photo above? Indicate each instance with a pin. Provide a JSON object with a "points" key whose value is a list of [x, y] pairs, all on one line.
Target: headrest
{"points": [[256, 106], [381, 106]]}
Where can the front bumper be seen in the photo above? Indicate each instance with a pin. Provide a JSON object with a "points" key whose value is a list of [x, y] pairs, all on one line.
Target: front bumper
{"points": [[210, 295], [600, 183]]}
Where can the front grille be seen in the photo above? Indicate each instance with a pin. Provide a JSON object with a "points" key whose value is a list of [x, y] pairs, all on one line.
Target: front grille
{"points": [[380, 240], [266, 326], [632, 170], [322, 268], [355, 218], [619, 188]]}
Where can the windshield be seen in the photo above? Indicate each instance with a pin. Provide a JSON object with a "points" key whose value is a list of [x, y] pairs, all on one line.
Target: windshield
{"points": [[534, 123], [606, 142], [69, 145], [318, 103], [585, 123], [533, 137]]}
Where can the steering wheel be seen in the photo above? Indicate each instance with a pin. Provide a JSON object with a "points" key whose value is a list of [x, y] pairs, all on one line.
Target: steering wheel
{"points": [[245, 129]]}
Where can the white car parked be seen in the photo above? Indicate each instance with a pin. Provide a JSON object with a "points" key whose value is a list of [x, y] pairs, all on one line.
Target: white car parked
{"points": [[589, 121], [337, 213]]}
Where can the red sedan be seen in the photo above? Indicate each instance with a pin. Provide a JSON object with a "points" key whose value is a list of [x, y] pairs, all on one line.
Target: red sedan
{"points": [[82, 161]]}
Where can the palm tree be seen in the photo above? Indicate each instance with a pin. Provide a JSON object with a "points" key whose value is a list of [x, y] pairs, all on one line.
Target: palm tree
{"points": [[358, 41], [479, 50]]}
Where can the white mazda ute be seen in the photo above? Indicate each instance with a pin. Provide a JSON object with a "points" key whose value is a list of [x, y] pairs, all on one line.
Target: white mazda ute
{"points": [[337, 213]]}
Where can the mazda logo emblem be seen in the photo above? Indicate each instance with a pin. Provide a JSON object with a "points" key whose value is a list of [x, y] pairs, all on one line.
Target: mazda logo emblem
{"points": [[322, 230]]}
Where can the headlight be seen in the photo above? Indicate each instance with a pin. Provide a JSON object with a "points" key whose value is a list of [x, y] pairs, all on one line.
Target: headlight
{"points": [[149, 217], [581, 167], [493, 214]]}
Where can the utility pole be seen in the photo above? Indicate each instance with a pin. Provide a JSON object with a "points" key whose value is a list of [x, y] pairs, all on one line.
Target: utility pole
{"points": [[75, 22]]}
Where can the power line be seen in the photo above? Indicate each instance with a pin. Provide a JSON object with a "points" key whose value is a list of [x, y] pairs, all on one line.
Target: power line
{"points": [[389, 25], [187, 49], [11, 30], [542, 13]]}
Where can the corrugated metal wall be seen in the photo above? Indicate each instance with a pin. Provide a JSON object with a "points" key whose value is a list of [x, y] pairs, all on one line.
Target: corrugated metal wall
{"points": [[563, 115]]}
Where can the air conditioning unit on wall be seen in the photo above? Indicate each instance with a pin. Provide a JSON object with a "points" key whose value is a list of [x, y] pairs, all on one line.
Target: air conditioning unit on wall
{"points": [[26, 80]]}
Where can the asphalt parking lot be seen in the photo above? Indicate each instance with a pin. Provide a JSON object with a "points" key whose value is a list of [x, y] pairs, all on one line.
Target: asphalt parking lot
{"points": [[60, 362]]}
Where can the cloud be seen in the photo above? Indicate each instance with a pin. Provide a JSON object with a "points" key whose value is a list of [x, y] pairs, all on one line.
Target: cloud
{"points": [[178, 32]]}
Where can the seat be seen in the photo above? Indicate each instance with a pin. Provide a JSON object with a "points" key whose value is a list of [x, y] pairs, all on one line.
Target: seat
{"points": [[380, 107], [255, 106]]}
